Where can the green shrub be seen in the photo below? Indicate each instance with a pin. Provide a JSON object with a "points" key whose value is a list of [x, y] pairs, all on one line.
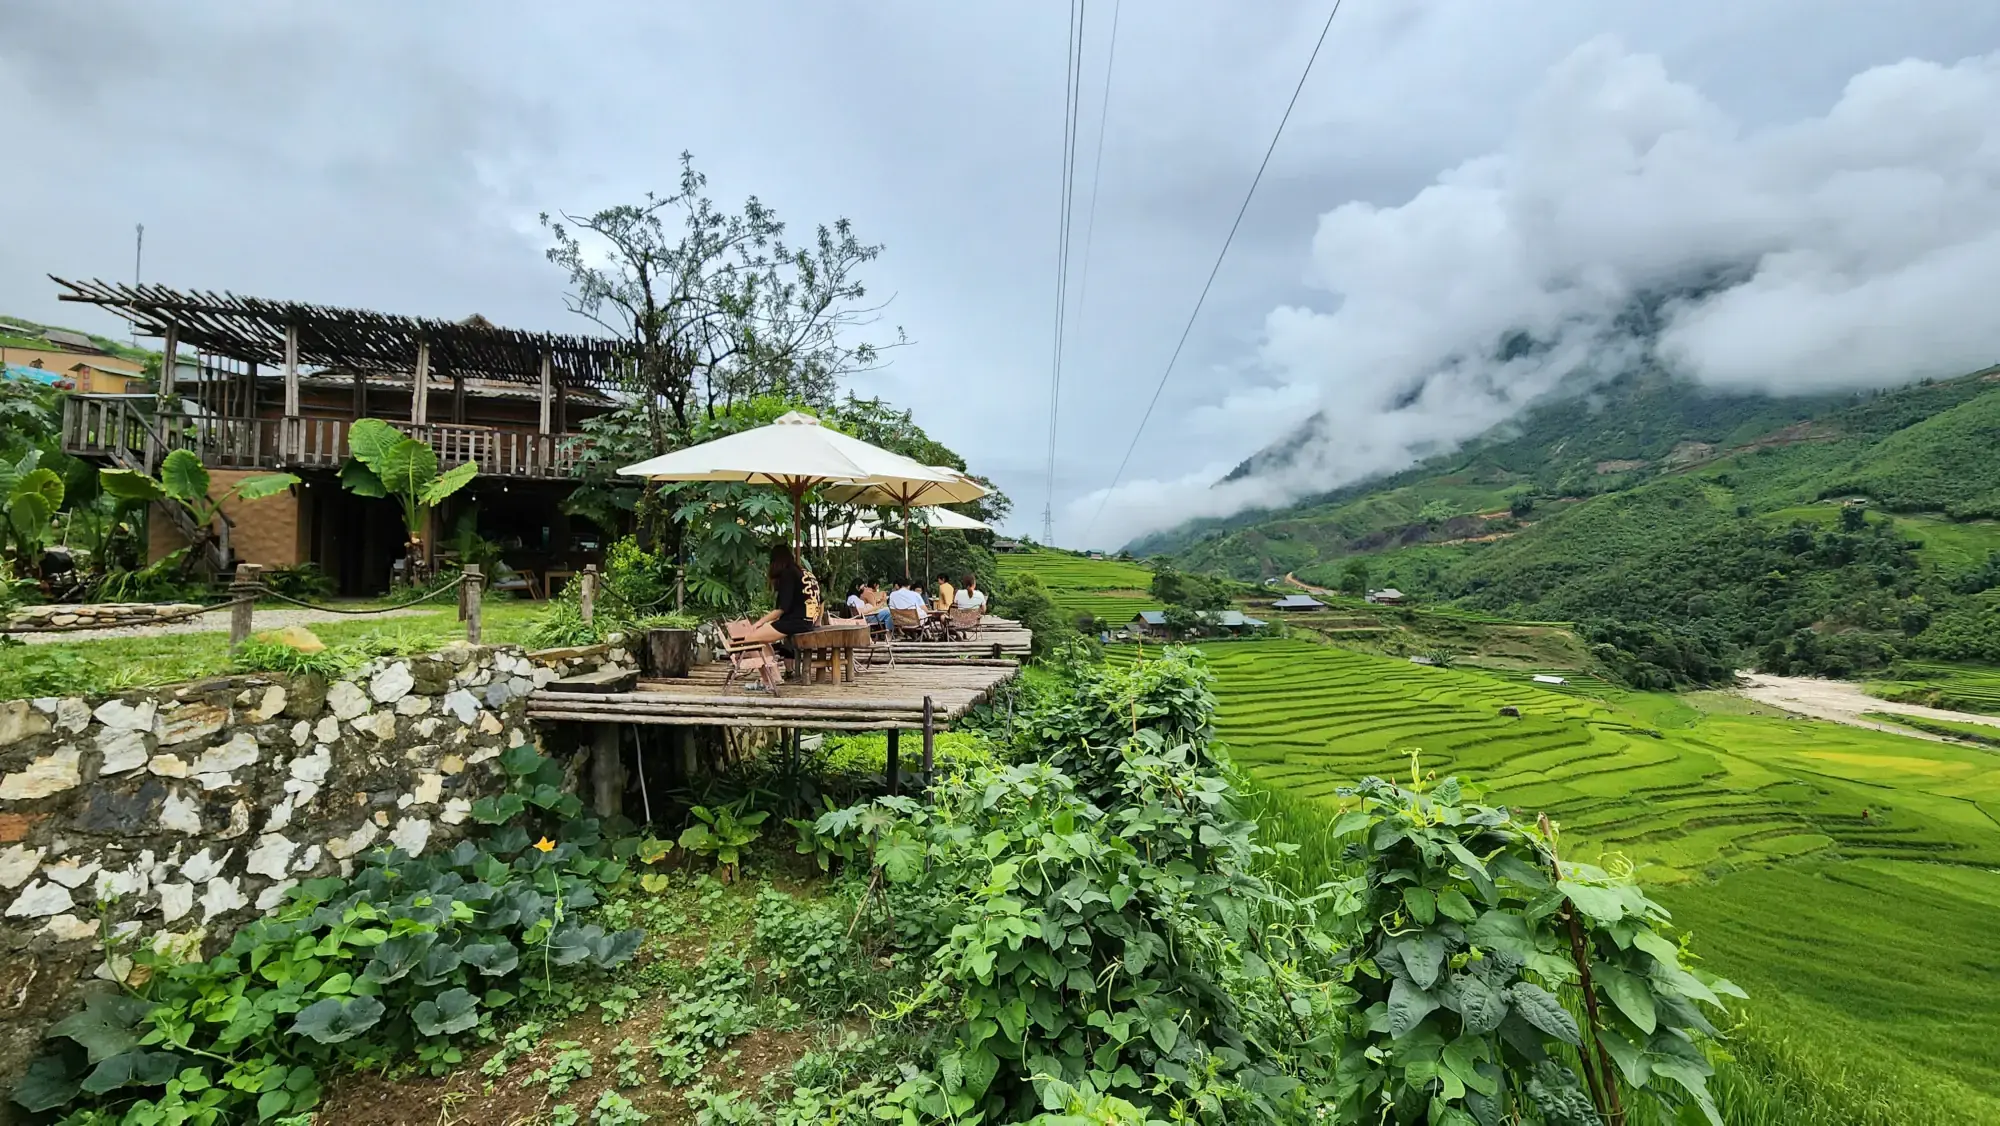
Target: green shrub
{"points": [[273, 656]]}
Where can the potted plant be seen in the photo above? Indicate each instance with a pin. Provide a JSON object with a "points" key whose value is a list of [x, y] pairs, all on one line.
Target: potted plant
{"points": [[670, 644]]}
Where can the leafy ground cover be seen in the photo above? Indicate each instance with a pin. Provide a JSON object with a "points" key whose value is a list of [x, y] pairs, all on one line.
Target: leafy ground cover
{"points": [[1781, 842], [1985, 733]]}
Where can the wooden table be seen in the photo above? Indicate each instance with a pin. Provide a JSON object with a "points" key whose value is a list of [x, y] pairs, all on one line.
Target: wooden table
{"points": [[838, 642]]}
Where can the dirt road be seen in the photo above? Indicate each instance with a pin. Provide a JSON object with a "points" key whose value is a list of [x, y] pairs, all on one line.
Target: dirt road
{"points": [[1843, 702]]}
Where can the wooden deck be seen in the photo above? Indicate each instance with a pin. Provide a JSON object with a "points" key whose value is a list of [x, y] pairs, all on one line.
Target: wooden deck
{"points": [[883, 697]]}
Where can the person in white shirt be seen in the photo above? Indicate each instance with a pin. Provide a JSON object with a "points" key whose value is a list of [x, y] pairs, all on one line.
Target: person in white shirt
{"points": [[906, 596], [970, 597]]}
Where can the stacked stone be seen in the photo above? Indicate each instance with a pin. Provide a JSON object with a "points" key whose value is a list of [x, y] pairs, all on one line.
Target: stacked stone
{"points": [[102, 614]]}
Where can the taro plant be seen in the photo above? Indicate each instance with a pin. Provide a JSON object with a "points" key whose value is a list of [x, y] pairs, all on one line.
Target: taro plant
{"points": [[388, 463], [29, 498], [184, 483], [398, 964], [1501, 984], [723, 832]]}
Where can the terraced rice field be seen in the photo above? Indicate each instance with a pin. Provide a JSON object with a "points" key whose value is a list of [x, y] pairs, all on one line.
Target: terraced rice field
{"points": [[1105, 588], [1676, 792], [1967, 688], [1849, 878]]}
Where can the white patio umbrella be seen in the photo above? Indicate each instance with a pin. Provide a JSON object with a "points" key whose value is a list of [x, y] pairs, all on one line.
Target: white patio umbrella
{"points": [[858, 532], [795, 453], [945, 519], [949, 486]]}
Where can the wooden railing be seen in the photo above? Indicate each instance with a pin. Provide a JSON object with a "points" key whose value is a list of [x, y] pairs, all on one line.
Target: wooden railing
{"points": [[118, 430]]}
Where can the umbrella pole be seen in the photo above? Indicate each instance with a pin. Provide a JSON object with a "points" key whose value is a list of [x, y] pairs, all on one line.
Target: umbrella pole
{"points": [[906, 541]]}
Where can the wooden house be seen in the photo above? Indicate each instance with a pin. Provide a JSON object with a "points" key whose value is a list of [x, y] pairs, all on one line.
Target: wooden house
{"points": [[275, 385]]}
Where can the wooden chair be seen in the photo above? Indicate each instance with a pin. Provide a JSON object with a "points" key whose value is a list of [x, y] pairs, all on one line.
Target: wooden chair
{"points": [[749, 658], [911, 625], [963, 625], [522, 580]]}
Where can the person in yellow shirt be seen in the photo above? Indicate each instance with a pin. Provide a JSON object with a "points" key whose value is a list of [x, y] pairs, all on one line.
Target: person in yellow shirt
{"points": [[946, 593]]}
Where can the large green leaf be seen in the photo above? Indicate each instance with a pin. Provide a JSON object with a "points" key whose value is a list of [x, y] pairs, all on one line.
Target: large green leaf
{"points": [[398, 956], [360, 480], [369, 439], [47, 1085], [1632, 995], [44, 483], [130, 484], [183, 476], [491, 958], [1543, 1011], [407, 468], [1482, 1006], [455, 1010], [1408, 1006], [264, 485], [336, 1019], [132, 1069], [450, 482], [107, 1025], [29, 514]]}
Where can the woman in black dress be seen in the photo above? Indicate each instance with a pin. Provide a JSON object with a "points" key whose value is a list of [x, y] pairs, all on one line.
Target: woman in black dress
{"points": [[797, 593]]}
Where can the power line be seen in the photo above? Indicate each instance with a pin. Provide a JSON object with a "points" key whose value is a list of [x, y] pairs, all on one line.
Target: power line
{"points": [[1217, 268], [1072, 98], [1097, 165]]}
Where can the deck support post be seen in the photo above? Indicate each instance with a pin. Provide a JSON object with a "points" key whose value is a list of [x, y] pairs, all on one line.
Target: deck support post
{"points": [[606, 775], [587, 593], [288, 428], [893, 765], [930, 732], [170, 345]]}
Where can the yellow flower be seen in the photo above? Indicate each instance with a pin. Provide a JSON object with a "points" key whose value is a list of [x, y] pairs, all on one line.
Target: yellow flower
{"points": [[546, 845]]}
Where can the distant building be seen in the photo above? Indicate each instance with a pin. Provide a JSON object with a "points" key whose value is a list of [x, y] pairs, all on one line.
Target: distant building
{"points": [[1005, 546], [1387, 596], [1153, 623], [1545, 678], [1097, 555], [1298, 602]]}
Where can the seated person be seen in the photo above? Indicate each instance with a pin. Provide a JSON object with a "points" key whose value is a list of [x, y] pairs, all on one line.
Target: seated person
{"points": [[865, 602], [797, 592], [945, 593], [906, 596], [970, 597]]}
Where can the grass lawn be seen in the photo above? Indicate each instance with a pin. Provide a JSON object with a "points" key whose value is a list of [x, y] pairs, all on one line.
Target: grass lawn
{"points": [[113, 663], [1846, 877]]}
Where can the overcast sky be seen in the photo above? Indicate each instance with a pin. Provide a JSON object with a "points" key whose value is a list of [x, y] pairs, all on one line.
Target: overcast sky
{"points": [[395, 156]]}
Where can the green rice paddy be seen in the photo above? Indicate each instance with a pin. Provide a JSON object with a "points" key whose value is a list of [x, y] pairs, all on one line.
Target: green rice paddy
{"points": [[1849, 878], [1966, 688], [1108, 589]]}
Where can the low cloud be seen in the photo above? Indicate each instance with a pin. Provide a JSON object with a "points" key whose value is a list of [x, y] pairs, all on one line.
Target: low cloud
{"points": [[1629, 220]]}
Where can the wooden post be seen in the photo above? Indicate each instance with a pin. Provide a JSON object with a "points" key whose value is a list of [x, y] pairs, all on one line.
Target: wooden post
{"points": [[170, 346], [360, 395], [587, 592], [930, 731], [245, 588], [458, 396], [469, 599], [606, 775], [420, 386], [893, 765], [288, 430], [545, 393]]}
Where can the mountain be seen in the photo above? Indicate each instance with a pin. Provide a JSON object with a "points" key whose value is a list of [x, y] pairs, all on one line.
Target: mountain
{"points": [[1739, 520]]}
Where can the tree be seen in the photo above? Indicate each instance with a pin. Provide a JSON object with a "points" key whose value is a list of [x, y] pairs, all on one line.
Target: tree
{"points": [[718, 307], [1189, 591], [183, 481], [387, 463], [1354, 578]]}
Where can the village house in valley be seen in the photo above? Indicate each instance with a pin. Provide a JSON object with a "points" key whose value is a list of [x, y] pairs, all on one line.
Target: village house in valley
{"points": [[65, 359], [263, 385]]}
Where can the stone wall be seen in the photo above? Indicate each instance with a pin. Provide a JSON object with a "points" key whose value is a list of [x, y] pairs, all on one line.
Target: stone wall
{"points": [[97, 614], [174, 815]]}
